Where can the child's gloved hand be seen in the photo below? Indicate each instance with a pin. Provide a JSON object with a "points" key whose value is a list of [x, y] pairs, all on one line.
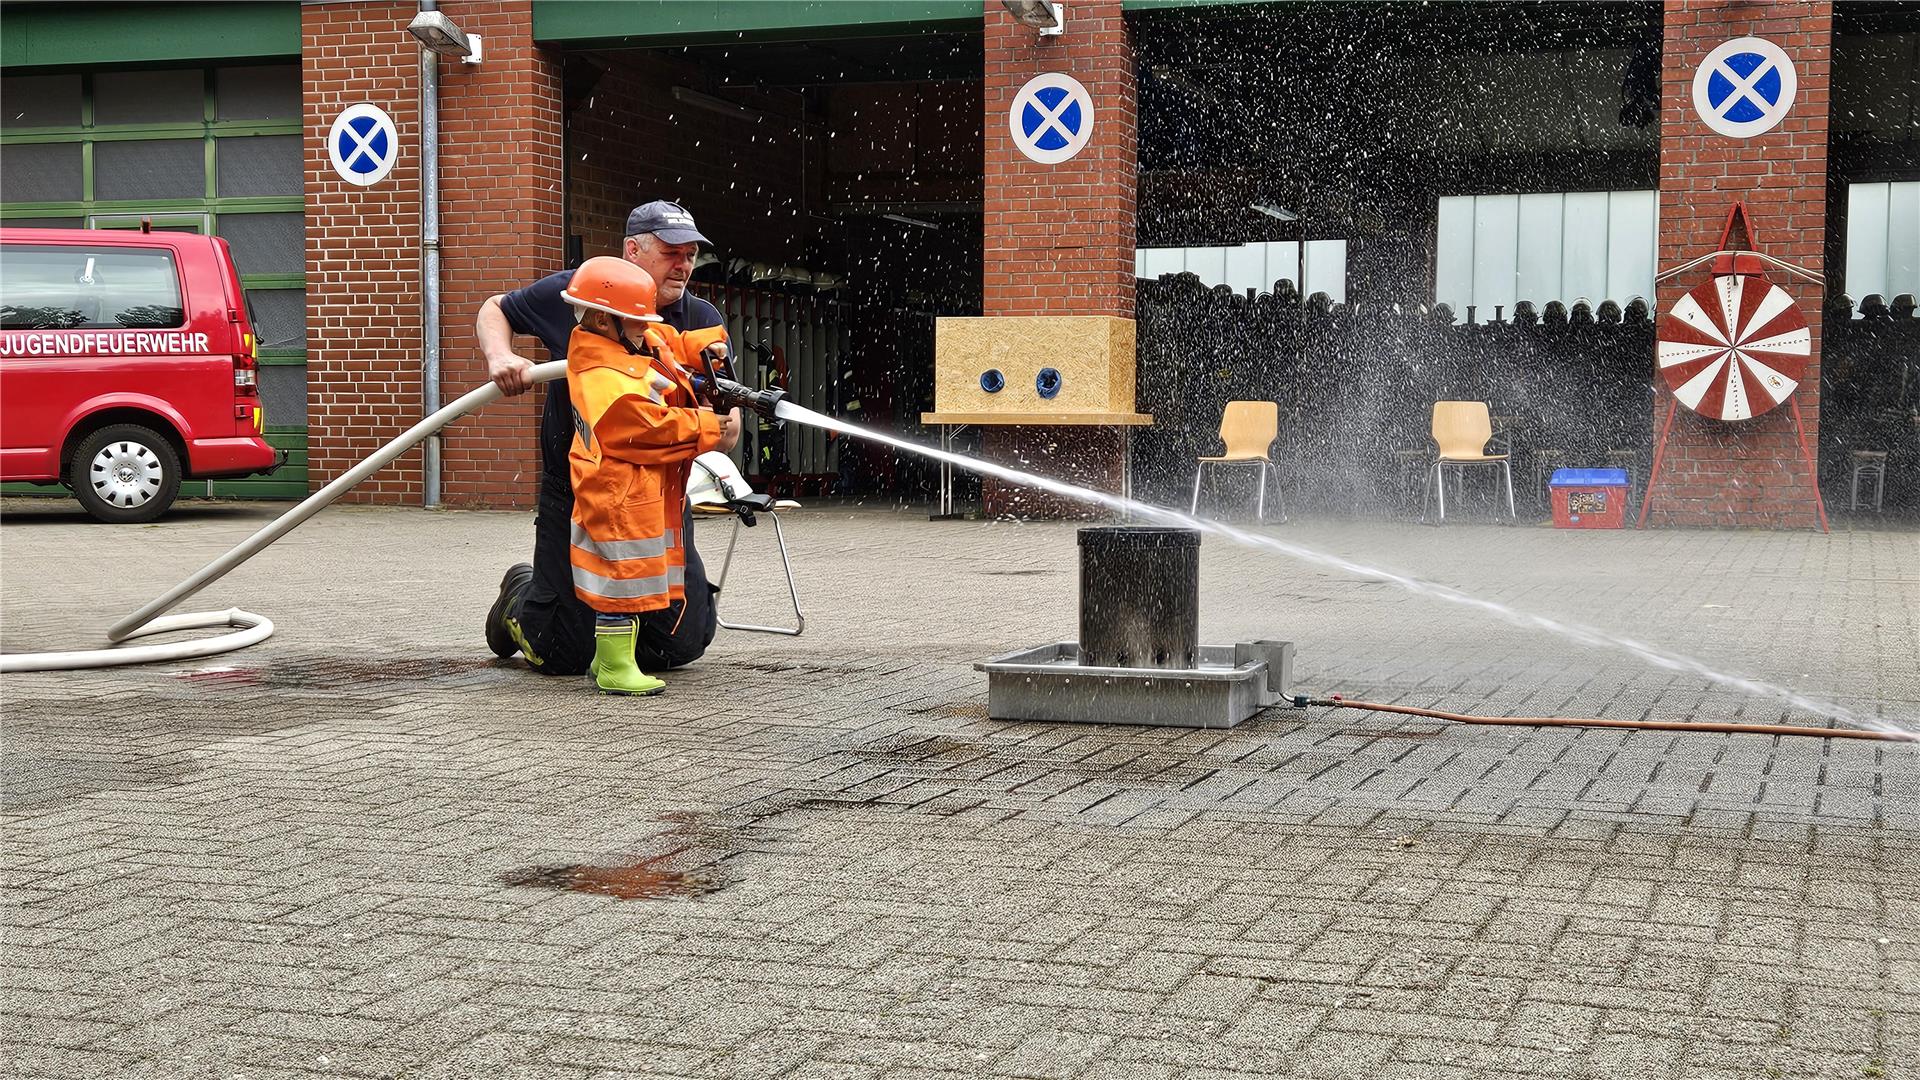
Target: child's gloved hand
{"points": [[713, 365]]}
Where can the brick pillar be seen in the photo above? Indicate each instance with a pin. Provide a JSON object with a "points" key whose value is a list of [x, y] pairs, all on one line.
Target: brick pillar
{"points": [[501, 212], [1750, 473], [363, 251], [500, 228], [1059, 238]]}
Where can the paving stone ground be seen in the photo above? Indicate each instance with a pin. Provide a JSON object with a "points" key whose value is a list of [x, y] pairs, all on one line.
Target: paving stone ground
{"points": [[333, 854]]}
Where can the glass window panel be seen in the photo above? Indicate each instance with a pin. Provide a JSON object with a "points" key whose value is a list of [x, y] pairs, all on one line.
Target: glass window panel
{"points": [[1496, 239], [1538, 276], [1453, 261], [1253, 266], [88, 288], [1209, 263], [1903, 238], [29, 101], [1630, 246], [41, 172], [1586, 245], [150, 169], [1282, 264], [279, 317], [149, 97], [1867, 240], [267, 243], [283, 394], [1153, 262], [44, 223], [1246, 265], [258, 93], [1583, 261], [1327, 269], [260, 165]]}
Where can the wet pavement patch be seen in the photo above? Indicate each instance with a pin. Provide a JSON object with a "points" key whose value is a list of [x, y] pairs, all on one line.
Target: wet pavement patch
{"points": [[640, 881], [686, 861], [43, 775], [345, 673]]}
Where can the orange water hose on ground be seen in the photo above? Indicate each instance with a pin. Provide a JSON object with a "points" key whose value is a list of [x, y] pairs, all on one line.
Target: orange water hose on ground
{"points": [[1337, 702]]}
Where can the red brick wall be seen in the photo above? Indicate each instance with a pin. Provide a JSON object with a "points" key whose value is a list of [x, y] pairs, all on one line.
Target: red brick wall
{"points": [[1059, 238], [363, 244], [500, 228], [1749, 473]]}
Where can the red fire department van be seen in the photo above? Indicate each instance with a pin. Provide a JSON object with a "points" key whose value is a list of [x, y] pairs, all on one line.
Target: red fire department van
{"points": [[127, 363]]}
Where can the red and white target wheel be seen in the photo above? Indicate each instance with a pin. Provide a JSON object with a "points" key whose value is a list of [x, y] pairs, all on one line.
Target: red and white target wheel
{"points": [[1734, 348]]}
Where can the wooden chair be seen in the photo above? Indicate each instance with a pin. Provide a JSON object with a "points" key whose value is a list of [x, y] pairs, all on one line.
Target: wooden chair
{"points": [[1461, 430], [1248, 430]]}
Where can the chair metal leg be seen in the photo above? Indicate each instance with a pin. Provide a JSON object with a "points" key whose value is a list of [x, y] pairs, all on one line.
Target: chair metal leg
{"points": [[1279, 496], [1440, 486], [786, 564], [1507, 468], [1260, 499], [1199, 470]]}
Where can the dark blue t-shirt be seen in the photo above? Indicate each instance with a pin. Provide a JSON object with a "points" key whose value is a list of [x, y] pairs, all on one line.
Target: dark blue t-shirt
{"points": [[542, 311]]}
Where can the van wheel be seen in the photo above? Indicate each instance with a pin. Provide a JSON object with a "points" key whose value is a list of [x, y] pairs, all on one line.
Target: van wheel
{"points": [[124, 473]]}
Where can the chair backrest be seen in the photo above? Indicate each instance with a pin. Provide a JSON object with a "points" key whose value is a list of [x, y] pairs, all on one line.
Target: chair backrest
{"points": [[1249, 428], [1461, 427]]}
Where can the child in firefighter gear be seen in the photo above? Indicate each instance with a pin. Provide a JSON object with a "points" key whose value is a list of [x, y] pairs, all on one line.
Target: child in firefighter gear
{"points": [[637, 428]]}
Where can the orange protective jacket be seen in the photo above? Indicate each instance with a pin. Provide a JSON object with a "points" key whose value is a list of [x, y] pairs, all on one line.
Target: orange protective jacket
{"points": [[636, 431]]}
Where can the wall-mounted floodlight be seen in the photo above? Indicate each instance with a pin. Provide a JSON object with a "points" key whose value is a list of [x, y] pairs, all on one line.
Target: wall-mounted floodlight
{"points": [[689, 96], [438, 33], [1279, 212], [1043, 15], [905, 220]]}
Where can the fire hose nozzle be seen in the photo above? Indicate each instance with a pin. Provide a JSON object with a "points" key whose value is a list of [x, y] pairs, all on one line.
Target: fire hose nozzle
{"points": [[727, 394]]}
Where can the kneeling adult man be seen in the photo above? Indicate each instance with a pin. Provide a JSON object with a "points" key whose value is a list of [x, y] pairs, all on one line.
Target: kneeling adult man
{"points": [[537, 613]]}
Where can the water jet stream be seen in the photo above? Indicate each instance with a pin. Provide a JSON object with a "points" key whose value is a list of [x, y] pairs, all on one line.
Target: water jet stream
{"points": [[1585, 635]]}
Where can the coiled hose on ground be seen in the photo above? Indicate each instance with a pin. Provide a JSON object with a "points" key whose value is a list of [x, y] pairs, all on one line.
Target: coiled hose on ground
{"points": [[252, 628]]}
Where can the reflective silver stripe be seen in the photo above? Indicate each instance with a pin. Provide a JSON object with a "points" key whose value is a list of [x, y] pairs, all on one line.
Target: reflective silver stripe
{"points": [[618, 550], [630, 588]]}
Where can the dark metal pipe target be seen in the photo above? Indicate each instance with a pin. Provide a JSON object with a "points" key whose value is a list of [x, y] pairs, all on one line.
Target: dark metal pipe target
{"points": [[1139, 597]]}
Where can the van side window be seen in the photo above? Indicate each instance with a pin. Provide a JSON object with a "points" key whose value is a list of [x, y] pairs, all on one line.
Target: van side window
{"points": [[81, 288]]}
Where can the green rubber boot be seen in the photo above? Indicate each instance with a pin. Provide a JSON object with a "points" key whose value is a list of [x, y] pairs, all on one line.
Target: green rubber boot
{"points": [[614, 670]]}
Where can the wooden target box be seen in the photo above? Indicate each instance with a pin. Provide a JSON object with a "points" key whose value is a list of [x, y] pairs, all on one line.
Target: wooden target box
{"points": [[1079, 365]]}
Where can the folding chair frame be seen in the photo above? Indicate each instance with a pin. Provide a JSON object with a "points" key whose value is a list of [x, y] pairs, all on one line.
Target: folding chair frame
{"points": [[786, 564]]}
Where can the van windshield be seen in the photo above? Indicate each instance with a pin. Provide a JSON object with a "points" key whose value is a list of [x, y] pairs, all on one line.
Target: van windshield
{"points": [[84, 288]]}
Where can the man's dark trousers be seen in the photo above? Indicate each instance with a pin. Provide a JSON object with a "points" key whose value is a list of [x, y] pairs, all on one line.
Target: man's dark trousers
{"points": [[558, 627]]}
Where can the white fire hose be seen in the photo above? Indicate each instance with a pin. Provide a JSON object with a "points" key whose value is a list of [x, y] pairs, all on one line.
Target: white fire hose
{"points": [[253, 629]]}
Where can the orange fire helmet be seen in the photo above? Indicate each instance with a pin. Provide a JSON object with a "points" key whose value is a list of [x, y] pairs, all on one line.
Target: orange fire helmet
{"points": [[614, 286]]}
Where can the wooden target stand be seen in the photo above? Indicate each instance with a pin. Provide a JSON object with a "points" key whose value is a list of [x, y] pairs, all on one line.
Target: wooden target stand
{"points": [[1734, 348]]}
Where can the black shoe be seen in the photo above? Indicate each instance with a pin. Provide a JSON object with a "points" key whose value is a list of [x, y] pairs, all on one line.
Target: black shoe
{"points": [[499, 638]]}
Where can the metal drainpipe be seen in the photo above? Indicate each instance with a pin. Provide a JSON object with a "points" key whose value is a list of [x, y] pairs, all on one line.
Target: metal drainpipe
{"points": [[430, 257]]}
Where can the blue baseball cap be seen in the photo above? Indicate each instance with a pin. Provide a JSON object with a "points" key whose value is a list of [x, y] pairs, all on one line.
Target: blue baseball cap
{"points": [[668, 221]]}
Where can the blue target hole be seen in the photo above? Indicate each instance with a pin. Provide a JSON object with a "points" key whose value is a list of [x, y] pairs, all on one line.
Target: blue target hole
{"points": [[992, 381], [1047, 383]]}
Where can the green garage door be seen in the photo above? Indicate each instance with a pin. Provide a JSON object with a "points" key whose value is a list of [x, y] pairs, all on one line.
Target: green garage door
{"points": [[213, 149]]}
